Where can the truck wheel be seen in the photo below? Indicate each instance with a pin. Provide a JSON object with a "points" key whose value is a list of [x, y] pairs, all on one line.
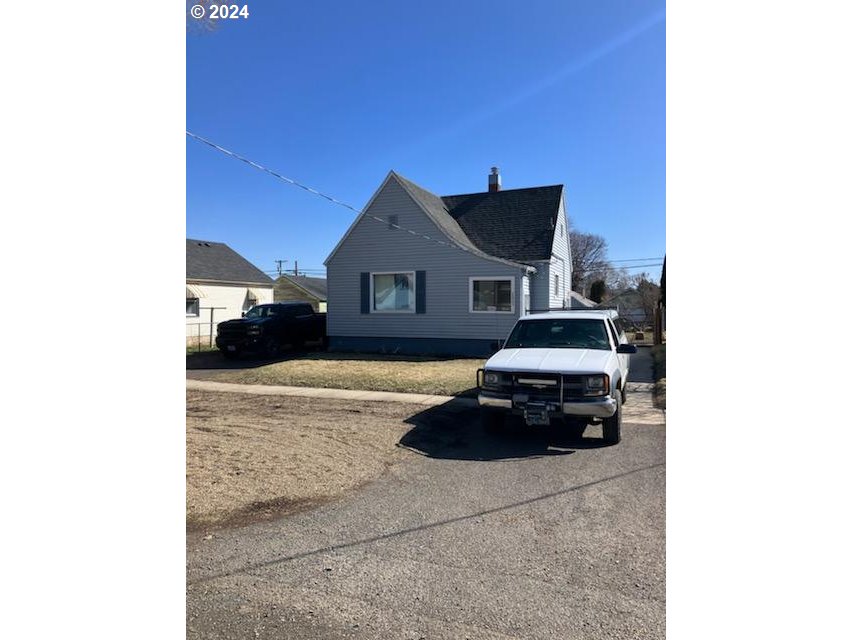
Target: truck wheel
{"points": [[575, 429], [271, 347], [613, 424], [492, 421]]}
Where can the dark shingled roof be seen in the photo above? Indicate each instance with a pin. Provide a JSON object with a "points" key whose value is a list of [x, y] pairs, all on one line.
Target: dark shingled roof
{"points": [[217, 261], [516, 224], [437, 210], [314, 286]]}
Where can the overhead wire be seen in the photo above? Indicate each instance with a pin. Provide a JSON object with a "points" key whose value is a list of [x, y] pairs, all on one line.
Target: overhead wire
{"points": [[333, 200]]}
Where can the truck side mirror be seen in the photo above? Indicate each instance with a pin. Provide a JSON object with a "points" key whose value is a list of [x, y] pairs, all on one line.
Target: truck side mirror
{"points": [[243, 315], [626, 348]]}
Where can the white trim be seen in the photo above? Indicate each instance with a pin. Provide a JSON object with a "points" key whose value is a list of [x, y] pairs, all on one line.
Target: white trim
{"points": [[229, 283], [512, 304], [394, 273]]}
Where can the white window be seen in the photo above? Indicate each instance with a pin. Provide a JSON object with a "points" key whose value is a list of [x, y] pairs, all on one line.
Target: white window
{"points": [[392, 292], [556, 285], [491, 295], [192, 307]]}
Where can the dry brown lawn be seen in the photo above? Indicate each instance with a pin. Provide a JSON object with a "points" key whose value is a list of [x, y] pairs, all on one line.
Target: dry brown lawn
{"points": [[253, 457], [370, 373]]}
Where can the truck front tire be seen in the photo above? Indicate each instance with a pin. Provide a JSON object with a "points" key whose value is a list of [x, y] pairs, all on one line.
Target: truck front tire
{"points": [[612, 426], [271, 347]]}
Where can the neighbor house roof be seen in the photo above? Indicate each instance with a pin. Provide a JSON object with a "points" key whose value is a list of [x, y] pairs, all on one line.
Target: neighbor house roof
{"points": [[577, 301], [313, 286], [217, 261]]}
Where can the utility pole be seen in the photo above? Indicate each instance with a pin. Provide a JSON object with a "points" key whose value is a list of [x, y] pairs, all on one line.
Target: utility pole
{"points": [[296, 267], [279, 263]]}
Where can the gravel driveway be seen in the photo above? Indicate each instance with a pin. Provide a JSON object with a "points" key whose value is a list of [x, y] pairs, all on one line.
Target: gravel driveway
{"points": [[525, 535]]}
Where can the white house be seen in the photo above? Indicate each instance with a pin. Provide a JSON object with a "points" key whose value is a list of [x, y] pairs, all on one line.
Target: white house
{"points": [[221, 284]]}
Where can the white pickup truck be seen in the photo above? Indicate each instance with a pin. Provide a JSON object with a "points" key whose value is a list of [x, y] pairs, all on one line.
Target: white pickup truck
{"points": [[566, 364]]}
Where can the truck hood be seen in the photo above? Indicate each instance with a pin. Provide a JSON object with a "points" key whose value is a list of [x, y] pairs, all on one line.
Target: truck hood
{"points": [[551, 360], [243, 322]]}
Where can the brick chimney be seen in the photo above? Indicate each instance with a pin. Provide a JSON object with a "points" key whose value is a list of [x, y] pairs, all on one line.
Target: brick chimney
{"points": [[494, 180]]}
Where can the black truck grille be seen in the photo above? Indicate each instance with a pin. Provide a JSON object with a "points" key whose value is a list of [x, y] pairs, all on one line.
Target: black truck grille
{"points": [[232, 331]]}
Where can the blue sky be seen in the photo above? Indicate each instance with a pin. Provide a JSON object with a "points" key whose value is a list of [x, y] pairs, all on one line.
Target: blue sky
{"points": [[335, 94]]}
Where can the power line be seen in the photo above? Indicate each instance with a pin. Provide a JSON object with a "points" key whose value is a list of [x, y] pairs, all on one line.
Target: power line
{"points": [[271, 172], [641, 266], [391, 225], [294, 183]]}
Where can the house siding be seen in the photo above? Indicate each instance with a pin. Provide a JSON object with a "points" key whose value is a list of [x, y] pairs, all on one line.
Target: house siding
{"points": [[561, 263], [539, 292], [286, 291], [542, 294], [231, 297], [371, 246]]}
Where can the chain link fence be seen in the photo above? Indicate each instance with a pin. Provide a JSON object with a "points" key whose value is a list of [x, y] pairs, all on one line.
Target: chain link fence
{"points": [[200, 337]]}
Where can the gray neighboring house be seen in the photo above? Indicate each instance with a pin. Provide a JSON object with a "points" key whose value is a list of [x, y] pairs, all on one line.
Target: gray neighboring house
{"points": [[629, 305], [577, 301], [420, 273], [301, 288]]}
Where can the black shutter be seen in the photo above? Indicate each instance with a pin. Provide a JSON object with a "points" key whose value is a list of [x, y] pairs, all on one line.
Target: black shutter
{"points": [[365, 292], [420, 291]]}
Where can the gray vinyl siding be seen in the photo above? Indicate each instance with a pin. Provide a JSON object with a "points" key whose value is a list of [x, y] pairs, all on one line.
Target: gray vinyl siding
{"points": [[371, 246], [539, 292], [542, 283], [561, 263]]}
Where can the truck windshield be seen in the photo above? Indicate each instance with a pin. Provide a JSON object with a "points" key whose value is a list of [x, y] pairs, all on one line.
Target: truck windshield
{"points": [[567, 333], [260, 312]]}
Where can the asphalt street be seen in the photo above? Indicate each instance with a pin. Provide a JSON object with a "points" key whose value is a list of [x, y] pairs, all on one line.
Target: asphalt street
{"points": [[527, 534]]}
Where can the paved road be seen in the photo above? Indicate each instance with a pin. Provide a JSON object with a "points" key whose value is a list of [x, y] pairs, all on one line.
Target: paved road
{"points": [[524, 535]]}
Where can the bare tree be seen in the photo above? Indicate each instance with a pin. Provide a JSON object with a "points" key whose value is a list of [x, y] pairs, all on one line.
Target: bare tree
{"points": [[589, 259], [597, 290], [648, 293]]}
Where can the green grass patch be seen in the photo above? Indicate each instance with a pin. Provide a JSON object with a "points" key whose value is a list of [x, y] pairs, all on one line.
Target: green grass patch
{"points": [[404, 374]]}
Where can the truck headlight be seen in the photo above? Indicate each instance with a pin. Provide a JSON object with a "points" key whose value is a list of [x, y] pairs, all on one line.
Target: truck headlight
{"points": [[492, 379], [598, 385], [253, 331]]}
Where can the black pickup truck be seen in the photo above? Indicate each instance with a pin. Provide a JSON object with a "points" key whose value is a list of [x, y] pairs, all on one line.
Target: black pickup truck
{"points": [[266, 328]]}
